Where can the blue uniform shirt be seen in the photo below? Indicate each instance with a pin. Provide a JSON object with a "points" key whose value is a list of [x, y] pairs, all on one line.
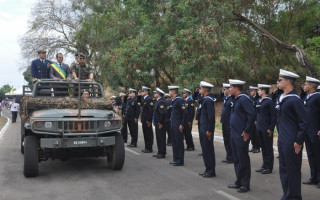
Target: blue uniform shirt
{"points": [[207, 114], [132, 109], [160, 111], [242, 115], [312, 104], [169, 109], [147, 109], [292, 119], [40, 70], [178, 113], [266, 114], [226, 110], [190, 109]]}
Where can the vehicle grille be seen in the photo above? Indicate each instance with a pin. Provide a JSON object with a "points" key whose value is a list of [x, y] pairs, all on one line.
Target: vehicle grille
{"points": [[78, 126]]}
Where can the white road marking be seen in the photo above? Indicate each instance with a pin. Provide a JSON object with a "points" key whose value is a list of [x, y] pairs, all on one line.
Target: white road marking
{"points": [[131, 151], [229, 196]]}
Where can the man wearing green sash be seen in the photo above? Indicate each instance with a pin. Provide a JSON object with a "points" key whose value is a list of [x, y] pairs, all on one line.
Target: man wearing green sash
{"points": [[60, 70]]}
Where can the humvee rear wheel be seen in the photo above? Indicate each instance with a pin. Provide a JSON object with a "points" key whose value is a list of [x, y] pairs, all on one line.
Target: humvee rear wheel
{"points": [[117, 154], [22, 138], [31, 156]]}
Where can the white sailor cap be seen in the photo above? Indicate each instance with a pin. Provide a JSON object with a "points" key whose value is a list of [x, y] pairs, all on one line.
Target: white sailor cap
{"points": [[158, 90], [287, 74], [206, 84], [312, 80], [226, 85], [318, 88], [236, 82], [252, 88], [113, 97], [185, 90], [145, 88], [122, 94], [167, 95], [262, 86], [173, 87], [132, 90]]}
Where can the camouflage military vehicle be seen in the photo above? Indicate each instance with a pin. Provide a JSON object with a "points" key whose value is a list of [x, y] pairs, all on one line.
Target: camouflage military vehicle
{"points": [[58, 123]]}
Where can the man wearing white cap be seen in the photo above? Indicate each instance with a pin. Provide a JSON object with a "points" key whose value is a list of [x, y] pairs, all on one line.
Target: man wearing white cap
{"points": [[146, 119], [291, 125], [159, 123], [241, 120], [266, 121], [190, 116], [206, 129], [168, 116], [132, 115], [312, 104], [178, 120], [225, 121], [253, 133]]}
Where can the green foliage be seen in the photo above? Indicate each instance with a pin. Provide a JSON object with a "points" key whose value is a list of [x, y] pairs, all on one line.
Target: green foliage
{"points": [[4, 89]]}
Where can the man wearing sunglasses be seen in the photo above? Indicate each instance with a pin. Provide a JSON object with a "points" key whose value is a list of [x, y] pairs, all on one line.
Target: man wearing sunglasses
{"points": [[40, 68], [86, 72]]}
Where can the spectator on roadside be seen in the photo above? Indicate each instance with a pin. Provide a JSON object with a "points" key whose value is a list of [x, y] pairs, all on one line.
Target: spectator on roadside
{"points": [[14, 110]]}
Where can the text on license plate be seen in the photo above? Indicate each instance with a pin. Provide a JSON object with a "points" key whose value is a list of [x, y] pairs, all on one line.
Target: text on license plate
{"points": [[80, 142]]}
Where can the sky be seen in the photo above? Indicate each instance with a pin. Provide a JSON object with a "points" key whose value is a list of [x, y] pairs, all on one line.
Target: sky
{"points": [[13, 22]]}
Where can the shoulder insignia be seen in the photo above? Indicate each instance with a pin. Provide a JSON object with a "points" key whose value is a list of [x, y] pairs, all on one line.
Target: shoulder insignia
{"points": [[168, 107], [145, 103], [162, 106], [183, 107], [139, 103], [151, 103], [132, 103], [192, 104]]}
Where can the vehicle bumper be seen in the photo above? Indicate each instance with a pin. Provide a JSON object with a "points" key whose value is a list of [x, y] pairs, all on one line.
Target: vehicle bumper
{"points": [[77, 142]]}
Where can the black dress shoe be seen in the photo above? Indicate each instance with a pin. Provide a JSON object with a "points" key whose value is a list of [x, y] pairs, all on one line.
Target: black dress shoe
{"points": [[318, 186], [251, 150], [266, 171], [155, 155], [234, 186], [178, 164], [243, 189], [260, 170], [173, 162], [129, 145], [200, 154], [143, 150], [132, 145], [190, 149], [309, 182], [160, 156], [206, 175], [147, 151], [202, 173], [225, 161], [169, 144], [256, 151], [230, 162]]}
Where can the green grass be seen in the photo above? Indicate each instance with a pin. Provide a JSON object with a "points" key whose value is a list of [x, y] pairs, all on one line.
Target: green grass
{"points": [[3, 121]]}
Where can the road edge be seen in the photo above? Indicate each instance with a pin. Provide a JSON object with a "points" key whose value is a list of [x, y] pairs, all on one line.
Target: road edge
{"points": [[4, 129]]}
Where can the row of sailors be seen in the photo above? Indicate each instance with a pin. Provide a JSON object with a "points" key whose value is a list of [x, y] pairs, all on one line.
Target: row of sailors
{"points": [[296, 119]]}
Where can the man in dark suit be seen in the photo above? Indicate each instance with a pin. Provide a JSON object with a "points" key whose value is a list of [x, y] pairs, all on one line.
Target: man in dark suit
{"points": [[168, 116], [146, 118], [40, 68], [132, 115], [190, 116], [60, 70]]}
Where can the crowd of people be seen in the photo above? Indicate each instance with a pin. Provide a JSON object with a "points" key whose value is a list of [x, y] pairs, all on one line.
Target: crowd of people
{"points": [[246, 116]]}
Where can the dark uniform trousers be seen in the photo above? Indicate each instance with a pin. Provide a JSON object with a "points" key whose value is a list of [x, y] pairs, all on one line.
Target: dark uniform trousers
{"points": [[133, 128], [255, 140], [188, 136], [227, 140], [168, 130], [313, 152], [208, 154], [124, 130], [177, 145], [161, 139], [267, 150], [147, 135]]}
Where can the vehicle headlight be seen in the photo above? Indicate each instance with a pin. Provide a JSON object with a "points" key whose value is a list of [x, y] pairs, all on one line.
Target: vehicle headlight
{"points": [[48, 125], [106, 124]]}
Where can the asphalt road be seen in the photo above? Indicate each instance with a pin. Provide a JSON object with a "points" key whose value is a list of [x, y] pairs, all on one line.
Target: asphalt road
{"points": [[143, 177]]}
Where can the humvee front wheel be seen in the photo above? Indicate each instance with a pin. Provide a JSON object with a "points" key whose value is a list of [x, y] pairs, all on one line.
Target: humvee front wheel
{"points": [[117, 154], [31, 156], [23, 131]]}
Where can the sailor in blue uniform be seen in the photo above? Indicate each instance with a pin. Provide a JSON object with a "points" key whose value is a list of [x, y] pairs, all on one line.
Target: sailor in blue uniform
{"points": [[168, 120], [241, 120], [132, 115], [206, 129], [292, 126], [146, 119], [225, 121], [40, 68], [124, 128], [253, 133], [266, 121], [159, 122], [312, 141], [190, 116], [178, 120]]}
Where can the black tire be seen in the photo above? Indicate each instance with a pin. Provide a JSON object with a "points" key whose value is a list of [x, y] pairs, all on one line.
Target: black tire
{"points": [[117, 154], [31, 156], [23, 132]]}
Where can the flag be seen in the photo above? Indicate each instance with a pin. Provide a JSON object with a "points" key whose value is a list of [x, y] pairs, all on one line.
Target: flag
{"points": [[11, 91]]}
